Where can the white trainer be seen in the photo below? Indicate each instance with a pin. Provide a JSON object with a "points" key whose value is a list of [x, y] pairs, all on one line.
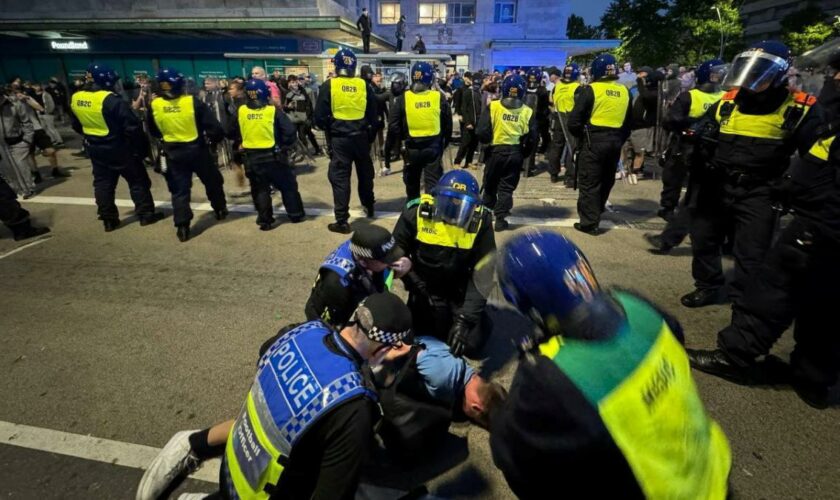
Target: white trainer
{"points": [[383, 172], [175, 459]]}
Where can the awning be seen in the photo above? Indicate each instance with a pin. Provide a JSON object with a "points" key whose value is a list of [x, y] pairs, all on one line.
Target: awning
{"points": [[569, 47]]}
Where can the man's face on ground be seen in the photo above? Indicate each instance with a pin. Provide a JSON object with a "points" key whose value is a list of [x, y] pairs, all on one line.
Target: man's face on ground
{"points": [[372, 265]]}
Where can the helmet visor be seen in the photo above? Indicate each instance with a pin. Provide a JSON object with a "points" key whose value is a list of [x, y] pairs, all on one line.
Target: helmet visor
{"points": [[454, 208], [754, 70]]}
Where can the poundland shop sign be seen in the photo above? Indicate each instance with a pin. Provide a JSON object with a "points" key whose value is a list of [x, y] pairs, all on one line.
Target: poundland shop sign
{"points": [[71, 45]]}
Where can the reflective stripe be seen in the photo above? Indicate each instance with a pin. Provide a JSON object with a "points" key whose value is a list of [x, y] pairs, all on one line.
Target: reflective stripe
{"points": [[87, 106], [821, 148], [175, 118], [702, 101], [611, 102], [432, 232], [257, 127], [348, 98], [767, 126], [422, 113], [564, 96], [509, 125]]}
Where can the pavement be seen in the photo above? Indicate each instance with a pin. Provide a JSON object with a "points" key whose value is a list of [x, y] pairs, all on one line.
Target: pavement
{"points": [[116, 341]]}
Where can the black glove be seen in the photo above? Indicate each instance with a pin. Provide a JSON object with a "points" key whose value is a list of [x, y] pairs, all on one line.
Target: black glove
{"points": [[459, 336]]}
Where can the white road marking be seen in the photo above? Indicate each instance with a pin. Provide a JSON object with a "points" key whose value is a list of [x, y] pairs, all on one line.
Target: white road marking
{"points": [[318, 212], [88, 447], [24, 247]]}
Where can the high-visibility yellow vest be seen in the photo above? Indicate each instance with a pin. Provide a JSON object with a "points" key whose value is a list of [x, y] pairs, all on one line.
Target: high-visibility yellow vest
{"points": [[257, 127], [702, 101], [564, 96], [509, 125], [348, 98], [422, 113], [87, 106], [611, 102], [640, 383], [435, 232], [821, 148], [175, 118], [767, 126]]}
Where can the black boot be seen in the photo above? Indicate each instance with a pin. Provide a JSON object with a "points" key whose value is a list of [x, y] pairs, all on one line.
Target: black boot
{"points": [[719, 364], [110, 224], [36, 177], [701, 297], [659, 247], [221, 214], [666, 214], [145, 220], [340, 227], [369, 212], [501, 225], [27, 230], [183, 233], [814, 395], [555, 178], [57, 172], [590, 230]]}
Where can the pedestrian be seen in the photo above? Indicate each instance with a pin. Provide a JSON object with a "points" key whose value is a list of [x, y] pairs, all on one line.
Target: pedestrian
{"points": [[346, 111], [640, 145], [760, 124], [536, 98], [422, 117], [419, 45], [393, 141], [615, 408], [15, 217], [234, 98], [364, 24], [566, 88], [189, 130], [470, 108], [18, 133], [258, 73], [266, 135], [299, 108], [34, 106], [58, 92], [445, 234], [113, 137], [600, 121], [509, 128], [47, 116], [400, 34]]}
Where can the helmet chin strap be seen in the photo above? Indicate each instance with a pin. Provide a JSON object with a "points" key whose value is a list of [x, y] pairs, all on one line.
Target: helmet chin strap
{"points": [[512, 102], [419, 87]]}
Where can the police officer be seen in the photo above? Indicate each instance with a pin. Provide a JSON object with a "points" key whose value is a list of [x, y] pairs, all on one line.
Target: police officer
{"points": [[15, 217], [115, 142], [393, 144], [189, 130], [615, 408], [422, 117], [510, 128], [365, 264], [445, 234], [681, 156], [266, 135], [563, 97], [537, 98], [469, 107], [600, 121], [790, 285], [347, 112], [760, 127]]}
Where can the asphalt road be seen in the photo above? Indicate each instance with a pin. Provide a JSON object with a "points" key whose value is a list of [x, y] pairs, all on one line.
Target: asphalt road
{"points": [[131, 336]]}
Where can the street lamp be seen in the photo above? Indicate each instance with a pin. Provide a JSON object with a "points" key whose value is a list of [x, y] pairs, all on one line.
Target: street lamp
{"points": [[720, 18]]}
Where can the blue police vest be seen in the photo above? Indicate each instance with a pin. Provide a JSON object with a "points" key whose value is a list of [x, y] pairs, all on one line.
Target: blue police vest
{"points": [[299, 380], [342, 263]]}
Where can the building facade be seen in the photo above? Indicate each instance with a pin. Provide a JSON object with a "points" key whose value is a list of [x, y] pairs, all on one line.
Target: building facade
{"points": [[762, 17]]}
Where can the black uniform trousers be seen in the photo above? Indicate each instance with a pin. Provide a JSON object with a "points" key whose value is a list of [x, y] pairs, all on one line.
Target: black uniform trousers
{"points": [[674, 175], [181, 167], [501, 177], [346, 151], [744, 205], [596, 166], [557, 148], [11, 213], [425, 161], [105, 178], [263, 171], [544, 128], [469, 143], [796, 281]]}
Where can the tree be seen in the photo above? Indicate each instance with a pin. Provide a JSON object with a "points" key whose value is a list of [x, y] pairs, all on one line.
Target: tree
{"points": [[807, 28], [644, 29], [700, 29], [577, 29]]}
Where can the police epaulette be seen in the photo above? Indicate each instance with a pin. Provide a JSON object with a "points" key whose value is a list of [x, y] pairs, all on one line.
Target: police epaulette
{"points": [[412, 203], [804, 99], [730, 95]]}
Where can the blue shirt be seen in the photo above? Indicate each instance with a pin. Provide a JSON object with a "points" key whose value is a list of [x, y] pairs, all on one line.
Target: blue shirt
{"points": [[444, 375]]}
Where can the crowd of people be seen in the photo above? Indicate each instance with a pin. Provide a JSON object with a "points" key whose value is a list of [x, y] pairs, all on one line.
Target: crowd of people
{"points": [[604, 384]]}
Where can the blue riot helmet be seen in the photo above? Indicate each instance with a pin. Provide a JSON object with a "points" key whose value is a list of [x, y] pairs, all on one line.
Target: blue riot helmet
{"points": [[604, 68], [533, 78], [547, 278], [704, 72], [571, 73], [762, 66], [345, 62], [257, 91], [513, 87], [102, 75], [456, 198], [422, 76], [171, 82]]}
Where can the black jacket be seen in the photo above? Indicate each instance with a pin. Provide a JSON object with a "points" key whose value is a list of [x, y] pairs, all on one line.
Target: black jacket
{"points": [[419, 46], [645, 104], [398, 126], [342, 128], [470, 107], [364, 24], [541, 111], [580, 114]]}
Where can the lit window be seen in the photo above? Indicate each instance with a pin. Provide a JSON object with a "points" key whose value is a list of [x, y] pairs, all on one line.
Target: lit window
{"points": [[505, 12], [432, 13], [389, 13]]}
